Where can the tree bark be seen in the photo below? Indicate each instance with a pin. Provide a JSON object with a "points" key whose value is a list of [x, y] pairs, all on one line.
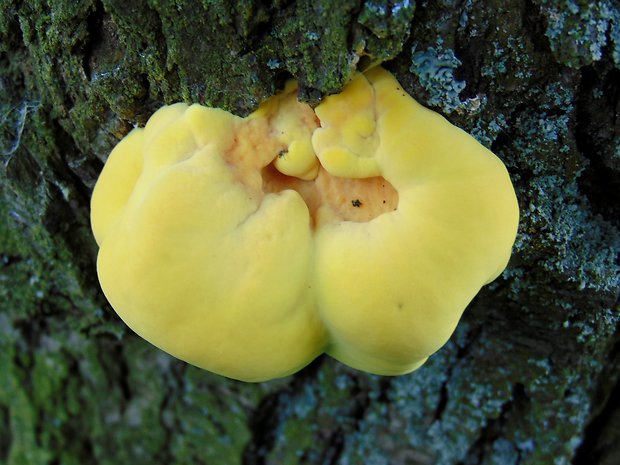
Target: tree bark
{"points": [[531, 375]]}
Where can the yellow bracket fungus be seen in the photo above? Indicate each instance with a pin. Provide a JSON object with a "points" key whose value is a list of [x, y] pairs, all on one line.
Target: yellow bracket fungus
{"points": [[249, 246]]}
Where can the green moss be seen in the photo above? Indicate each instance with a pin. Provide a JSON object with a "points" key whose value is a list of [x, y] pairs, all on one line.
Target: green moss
{"points": [[389, 25], [208, 419], [319, 36]]}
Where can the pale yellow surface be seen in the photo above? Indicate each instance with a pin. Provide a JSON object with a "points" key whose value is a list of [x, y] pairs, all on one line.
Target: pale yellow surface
{"points": [[249, 246]]}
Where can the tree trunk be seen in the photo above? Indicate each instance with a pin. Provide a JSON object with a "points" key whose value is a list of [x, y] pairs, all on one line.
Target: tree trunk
{"points": [[531, 375]]}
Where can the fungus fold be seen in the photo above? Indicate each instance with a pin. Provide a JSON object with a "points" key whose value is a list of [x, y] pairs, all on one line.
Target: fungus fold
{"points": [[249, 246]]}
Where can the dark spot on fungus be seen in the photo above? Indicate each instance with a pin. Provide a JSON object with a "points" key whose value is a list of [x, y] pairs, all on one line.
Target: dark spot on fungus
{"points": [[282, 152], [356, 203]]}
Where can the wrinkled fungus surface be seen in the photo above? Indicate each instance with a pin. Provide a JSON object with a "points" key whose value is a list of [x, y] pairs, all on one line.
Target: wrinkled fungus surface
{"points": [[249, 246]]}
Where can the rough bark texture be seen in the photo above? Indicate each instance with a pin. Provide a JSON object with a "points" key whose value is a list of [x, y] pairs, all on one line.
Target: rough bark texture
{"points": [[531, 375]]}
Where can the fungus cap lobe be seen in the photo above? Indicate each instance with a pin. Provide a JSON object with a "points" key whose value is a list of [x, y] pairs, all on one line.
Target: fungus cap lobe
{"points": [[248, 246]]}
